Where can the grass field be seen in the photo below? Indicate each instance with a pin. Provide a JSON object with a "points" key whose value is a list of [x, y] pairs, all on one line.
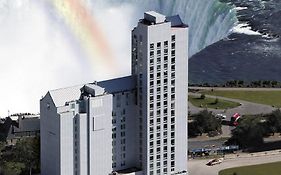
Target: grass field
{"points": [[264, 169], [210, 103], [272, 98]]}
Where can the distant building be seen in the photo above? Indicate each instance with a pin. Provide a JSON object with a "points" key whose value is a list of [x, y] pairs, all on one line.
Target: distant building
{"points": [[131, 125], [19, 126]]}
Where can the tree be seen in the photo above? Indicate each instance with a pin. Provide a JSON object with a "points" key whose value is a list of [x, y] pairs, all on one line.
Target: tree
{"points": [[23, 158], [207, 122], [202, 96], [2, 146], [249, 132], [273, 123], [27, 151], [12, 168]]}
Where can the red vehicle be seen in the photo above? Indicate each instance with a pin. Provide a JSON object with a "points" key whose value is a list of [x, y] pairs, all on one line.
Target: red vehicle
{"points": [[235, 118]]}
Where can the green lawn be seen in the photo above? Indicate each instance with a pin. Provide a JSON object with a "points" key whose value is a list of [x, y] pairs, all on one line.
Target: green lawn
{"points": [[264, 169], [272, 98], [210, 103]]}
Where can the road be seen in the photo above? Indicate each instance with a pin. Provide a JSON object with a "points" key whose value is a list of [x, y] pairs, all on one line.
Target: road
{"points": [[245, 108], [199, 167]]}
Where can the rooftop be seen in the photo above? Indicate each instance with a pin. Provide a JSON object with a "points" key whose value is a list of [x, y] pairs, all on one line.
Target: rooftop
{"points": [[61, 96], [152, 18], [119, 84], [176, 21]]}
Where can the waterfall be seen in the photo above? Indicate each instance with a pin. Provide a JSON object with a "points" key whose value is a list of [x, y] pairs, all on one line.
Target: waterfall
{"points": [[209, 20]]}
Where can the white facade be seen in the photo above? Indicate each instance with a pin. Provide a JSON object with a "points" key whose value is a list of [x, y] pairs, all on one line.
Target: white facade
{"points": [[129, 125], [159, 60]]}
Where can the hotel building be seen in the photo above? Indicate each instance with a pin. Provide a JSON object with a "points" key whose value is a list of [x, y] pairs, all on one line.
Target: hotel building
{"points": [[131, 125]]}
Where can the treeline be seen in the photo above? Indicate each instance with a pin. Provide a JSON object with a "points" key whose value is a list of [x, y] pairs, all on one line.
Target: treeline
{"points": [[22, 114], [243, 84], [252, 129]]}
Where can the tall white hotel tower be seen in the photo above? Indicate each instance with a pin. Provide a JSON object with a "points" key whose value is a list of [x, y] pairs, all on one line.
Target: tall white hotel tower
{"points": [[159, 60], [134, 125]]}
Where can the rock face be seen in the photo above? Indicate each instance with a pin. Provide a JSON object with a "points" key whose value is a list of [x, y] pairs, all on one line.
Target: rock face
{"points": [[244, 55]]}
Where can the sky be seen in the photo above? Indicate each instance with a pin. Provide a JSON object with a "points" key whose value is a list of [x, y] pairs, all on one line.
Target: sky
{"points": [[48, 44]]}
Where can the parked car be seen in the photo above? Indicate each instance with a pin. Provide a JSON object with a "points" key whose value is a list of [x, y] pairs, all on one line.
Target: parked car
{"points": [[235, 119], [215, 161], [221, 116]]}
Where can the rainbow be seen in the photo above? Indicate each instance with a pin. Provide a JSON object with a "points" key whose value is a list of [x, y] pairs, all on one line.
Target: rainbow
{"points": [[82, 24]]}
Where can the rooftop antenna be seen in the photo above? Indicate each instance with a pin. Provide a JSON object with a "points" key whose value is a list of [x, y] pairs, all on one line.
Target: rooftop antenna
{"points": [[8, 113]]}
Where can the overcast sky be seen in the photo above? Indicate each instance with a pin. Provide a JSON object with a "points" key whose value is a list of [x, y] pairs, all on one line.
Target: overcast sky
{"points": [[39, 53]]}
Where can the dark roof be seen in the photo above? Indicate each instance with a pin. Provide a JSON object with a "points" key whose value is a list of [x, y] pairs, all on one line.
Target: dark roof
{"points": [[176, 21], [119, 84]]}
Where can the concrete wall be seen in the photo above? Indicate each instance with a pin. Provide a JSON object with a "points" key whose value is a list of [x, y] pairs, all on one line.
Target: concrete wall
{"points": [[181, 101], [100, 129], [124, 130], [50, 137], [66, 143]]}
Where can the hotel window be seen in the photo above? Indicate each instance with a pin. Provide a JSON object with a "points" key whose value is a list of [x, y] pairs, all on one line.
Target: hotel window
{"points": [[173, 119], [173, 61], [173, 97], [152, 46], [173, 127], [159, 60], [151, 61], [158, 97], [113, 121], [173, 112], [158, 53], [114, 135], [165, 51], [158, 68], [173, 67], [158, 122], [165, 119], [173, 53], [165, 43], [158, 165], [158, 112], [165, 148], [158, 75], [173, 45], [173, 141], [151, 122], [158, 45], [173, 38], [172, 134]]}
